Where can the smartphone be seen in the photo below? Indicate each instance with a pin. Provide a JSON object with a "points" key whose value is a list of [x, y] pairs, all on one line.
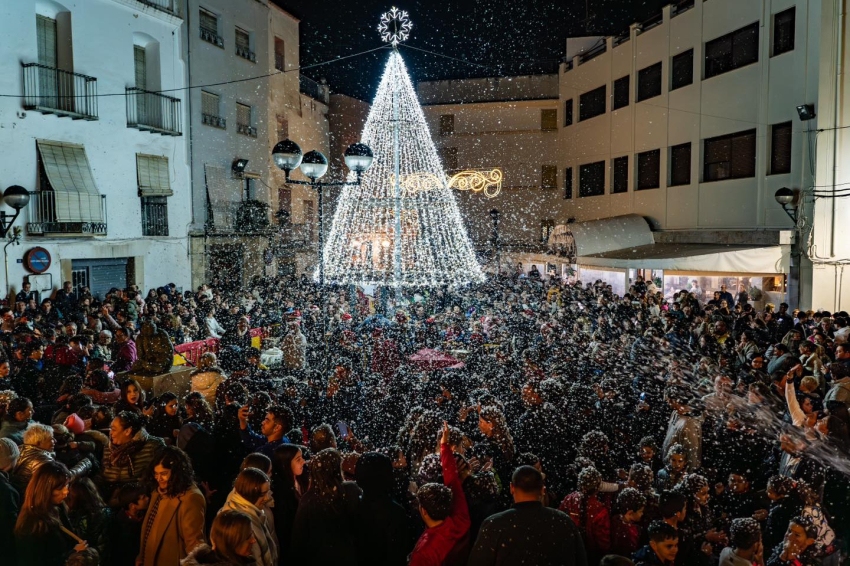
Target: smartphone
{"points": [[643, 397], [342, 428]]}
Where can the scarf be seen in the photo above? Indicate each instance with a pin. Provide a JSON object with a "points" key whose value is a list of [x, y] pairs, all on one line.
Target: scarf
{"points": [[265, 550], [122, 456]]}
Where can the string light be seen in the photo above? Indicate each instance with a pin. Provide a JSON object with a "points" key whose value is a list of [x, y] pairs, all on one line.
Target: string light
{"points": [[487, 182], [434, 247]]}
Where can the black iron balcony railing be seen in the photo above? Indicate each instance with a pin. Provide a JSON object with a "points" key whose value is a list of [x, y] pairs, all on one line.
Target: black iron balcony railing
{"points": [[153, 112], [86, 217], [53, 91], [214, 121], [246, 130], [211, 36], [168, 6], [246, 53]]}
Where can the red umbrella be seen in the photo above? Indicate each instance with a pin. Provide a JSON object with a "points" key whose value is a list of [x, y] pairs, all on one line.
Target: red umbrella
{"points": [[427, 359]]}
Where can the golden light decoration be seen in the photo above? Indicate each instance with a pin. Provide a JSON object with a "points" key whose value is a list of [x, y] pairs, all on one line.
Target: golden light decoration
{"points": [[488, 182]]}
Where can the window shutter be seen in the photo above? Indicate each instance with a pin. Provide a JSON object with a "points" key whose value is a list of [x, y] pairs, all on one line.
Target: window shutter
{"points": [[153, 176], [548, 120], [209, 103], [243, 39], [243, 114], [76, 198], [209, 22], [743, 162], [46, 36], [141, 66], [780, 149]]}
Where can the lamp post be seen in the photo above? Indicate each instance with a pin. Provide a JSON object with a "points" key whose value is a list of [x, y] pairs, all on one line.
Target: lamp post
{"points": [[288, 157], [494, 215], [787, 199], [18, 198]]}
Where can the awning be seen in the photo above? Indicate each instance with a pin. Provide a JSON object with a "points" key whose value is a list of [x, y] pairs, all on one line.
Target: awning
{"points": [[67, 168], [154, 178], [597, 236], [767, 260]]}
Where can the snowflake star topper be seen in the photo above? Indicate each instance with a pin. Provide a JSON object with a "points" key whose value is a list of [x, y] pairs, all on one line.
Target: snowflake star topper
{"points": [[395, 26]]}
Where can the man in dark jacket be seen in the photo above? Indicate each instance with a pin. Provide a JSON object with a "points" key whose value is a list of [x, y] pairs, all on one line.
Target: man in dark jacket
{"points": [[382, 523], [528, 533], [10, 498]]}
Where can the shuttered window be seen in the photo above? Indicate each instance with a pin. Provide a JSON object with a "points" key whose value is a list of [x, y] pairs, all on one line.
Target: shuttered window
{"points": [[648, 170], [153, 176], [140, 64], [447, 124], [209, 103], [279, 56], [243, 114], [243, 39], [649, 82], [780, 148], [732, 51], [680, 165], [549, 176], [621, 92], [682, 73], [568, 183], [154, 216], [46, 36], [732, 156], [591, 179], [548, 120], [620, 175], [783, 31], [209, 22], [568, 113], [591, 104]]}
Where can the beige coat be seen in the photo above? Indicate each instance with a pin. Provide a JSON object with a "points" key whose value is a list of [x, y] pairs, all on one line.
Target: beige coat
{"points": [[177, 529]]}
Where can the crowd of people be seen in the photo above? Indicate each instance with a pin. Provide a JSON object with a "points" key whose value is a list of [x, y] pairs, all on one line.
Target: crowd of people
{"points": [[518, 422]]}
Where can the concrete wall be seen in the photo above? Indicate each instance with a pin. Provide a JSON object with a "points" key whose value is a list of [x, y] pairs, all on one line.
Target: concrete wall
{"points": [[100, 44]]}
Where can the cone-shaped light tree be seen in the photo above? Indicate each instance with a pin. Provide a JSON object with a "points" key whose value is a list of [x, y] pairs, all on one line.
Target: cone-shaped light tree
{"points": [[401, 227]]}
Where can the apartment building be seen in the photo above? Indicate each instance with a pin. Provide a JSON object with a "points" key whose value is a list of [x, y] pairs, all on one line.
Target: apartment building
{"points": [[100, 149]]}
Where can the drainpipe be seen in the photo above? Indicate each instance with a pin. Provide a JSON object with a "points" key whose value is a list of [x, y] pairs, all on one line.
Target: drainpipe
{"points": [[839, 71]]}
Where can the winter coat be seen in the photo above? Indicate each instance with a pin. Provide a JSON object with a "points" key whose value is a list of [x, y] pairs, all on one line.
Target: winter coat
{"points": [[593, 519], [324, 533], [51, 548], [203, 555], [264, 551], [119, 470], [10, 504], [529, 533], [206, 381], [647, 557], [13, 430], [177, 529], [32, 458], [625, 537]]}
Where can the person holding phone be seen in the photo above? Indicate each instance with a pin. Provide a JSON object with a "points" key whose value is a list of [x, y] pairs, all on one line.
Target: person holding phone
{"points": [[277, 422]]}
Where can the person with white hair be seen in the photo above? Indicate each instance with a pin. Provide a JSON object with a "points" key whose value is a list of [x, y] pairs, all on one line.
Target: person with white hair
{"points": [[37, 449]]}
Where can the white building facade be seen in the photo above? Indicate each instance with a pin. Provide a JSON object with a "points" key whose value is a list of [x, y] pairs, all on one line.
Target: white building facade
{"points": [[104, 157]]}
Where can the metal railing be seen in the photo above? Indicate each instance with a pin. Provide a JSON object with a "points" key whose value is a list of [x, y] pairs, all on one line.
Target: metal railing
{"points": [[153, 112], [53, 91], [680, 7], [211, 36], [43, 217], [313, 89], [595, 52], [246, 53], [214, 121], [246, 130], [653, 22], [169, 6]]}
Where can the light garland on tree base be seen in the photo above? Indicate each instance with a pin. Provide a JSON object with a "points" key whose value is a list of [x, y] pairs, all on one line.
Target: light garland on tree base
{"points": [[434, 249]]}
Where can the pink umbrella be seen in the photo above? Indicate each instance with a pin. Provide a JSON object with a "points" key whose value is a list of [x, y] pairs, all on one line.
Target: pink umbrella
{"points": [[427, 359]]}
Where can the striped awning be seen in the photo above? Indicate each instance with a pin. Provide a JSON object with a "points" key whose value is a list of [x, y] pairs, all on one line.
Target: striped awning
{"points": [[67, 168], [153, 175]]}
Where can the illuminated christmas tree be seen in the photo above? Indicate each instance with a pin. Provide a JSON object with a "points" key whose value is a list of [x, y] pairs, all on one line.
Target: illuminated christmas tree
{"points": [[401, 227]]}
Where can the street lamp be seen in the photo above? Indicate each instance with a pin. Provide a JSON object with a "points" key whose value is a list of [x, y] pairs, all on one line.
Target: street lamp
{"points": [[787, 199], [494, 215], [288, 157], [15, 197]]}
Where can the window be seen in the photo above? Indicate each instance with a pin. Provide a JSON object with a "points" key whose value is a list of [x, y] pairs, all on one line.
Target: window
{"points": [[209, 28], [210, 111], [448, 155], [568, 183], [279, 58], [780, 148], [547, 226], [243, 121], [682, 70], [621, 92], [568, 113], [783, 31], [282, 127], [620, 175], [732, 51], [141, 67], [732, 156], [447, 124], [46, 36], [549, 176], [154, 216], [649, 82], [243, 45], [680, 165], [591, 179], [591, 104], [548, 120], [648, 170]]}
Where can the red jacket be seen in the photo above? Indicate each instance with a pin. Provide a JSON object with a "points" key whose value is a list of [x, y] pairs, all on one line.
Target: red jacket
{"points": [[437, 543], [625, 537], [592, 518]]}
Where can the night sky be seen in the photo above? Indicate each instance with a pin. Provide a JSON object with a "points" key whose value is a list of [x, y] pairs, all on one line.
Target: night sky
{"points": [[503, 37]]}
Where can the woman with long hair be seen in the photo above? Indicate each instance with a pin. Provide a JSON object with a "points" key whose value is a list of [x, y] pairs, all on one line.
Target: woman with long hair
{"points": [[89, 515], [494, 426], [132, 397], [323, 532], [199, 411], [43, 533], [251, 492], [231, 540], [173, 525], [287, 471]]}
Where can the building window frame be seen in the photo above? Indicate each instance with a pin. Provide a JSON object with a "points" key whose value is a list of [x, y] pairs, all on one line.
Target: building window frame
{"points": [[732, 51], [680, 175], [209, 24], [568, 112], [591, 179], [648, 165], [548, 176], [568, 183], [620, 175], [781, 142], [682, 70], [722, 156], [548, 119], [154, 215], [649, 82], [592, 103], [621, 93]]}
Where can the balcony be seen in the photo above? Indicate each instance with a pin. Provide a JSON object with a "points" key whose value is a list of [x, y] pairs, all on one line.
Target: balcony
{"points": [[246, 53], [246, 130], [314, 90], [53, 91], [167, 6], [86, 217], [211, 36], [214, 121], [153, 112]]}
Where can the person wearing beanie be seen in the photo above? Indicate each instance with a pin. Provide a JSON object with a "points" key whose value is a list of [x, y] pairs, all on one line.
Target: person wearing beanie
{"points": [[10, 499]]}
